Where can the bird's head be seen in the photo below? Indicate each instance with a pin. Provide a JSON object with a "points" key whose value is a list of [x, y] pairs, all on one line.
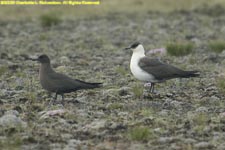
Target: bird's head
{"points": [[136, 47], [42, 59]]}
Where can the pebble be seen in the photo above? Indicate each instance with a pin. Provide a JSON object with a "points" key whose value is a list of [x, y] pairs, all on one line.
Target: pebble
{"points": [[11, 120], [203, 145]]}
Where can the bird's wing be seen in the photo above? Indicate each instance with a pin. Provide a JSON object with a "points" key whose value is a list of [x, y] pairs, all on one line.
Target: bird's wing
{"points": [[66, 84], [63, 83], [159, 70]]}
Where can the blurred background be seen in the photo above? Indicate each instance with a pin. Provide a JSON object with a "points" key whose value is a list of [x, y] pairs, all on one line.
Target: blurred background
{"points": [[107, 6]]}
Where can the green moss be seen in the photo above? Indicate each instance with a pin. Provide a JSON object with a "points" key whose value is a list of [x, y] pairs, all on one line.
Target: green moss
{"points": [[3, 70], [48, 20], [121, 71], [13, 142], [200, 119], [140, 133], [115, 106], [179, 49], [147, 112], [137, 90], [217, 46], [220, 83], [43, 37]]}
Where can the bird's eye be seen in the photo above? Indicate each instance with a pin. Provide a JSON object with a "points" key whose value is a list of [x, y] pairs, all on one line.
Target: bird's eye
{"points": [[41, 57]]}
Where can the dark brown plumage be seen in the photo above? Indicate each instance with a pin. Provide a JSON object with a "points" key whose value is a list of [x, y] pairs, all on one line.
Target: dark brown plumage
{"points": [[59, 83]]}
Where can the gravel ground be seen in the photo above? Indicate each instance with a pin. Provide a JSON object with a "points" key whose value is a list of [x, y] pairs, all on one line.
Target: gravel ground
{"points": [[184, 114]]}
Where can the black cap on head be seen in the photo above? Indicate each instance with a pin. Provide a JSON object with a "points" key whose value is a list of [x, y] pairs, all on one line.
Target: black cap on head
{"points": [[134, 45], [43, 59]]}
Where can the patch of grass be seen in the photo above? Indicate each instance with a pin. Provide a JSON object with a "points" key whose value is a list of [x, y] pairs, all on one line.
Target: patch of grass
{"points": [[137, 90], [121, 71], [115, 106], [43, 37], [48, 20], [3, 70], [217, 46], [179, 49], [140, 133], [200, 119], [199, 122], [220, 83], [147, 112], [12, 142]]}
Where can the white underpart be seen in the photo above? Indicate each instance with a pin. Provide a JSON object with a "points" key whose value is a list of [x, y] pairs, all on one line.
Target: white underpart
{"points": [[138, 73]]}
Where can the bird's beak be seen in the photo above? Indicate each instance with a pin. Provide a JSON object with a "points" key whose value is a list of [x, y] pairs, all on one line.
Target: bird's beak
{"points": [[33, 59], [127, 48]]}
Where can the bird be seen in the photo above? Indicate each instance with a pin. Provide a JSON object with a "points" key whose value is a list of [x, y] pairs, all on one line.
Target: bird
{"points": [[152, 70], [59, 83]]}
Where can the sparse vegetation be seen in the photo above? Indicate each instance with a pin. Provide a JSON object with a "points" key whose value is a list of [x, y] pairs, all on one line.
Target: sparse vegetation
{"points": [[115, 106], [11, 142], [217, 46], [121, 70], [199, 122], [179, 48], [137, 90], [48, 20], [3, 70], [220, 83], [140, 133]]}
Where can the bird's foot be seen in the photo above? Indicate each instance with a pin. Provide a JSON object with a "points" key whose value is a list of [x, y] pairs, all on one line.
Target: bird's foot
{"points": [[147, 84], [155, 92], [147, 95], [52, 102]]}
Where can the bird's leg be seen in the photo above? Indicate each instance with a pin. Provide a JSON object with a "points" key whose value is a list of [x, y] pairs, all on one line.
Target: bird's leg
{"points": [[49, 95], [62, 99], [152, 87], [147, 85], [62, 96], [56, 94], [55, 98]]}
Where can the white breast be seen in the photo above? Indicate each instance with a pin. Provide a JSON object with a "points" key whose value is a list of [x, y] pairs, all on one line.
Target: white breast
{"points": [[137, 71]]}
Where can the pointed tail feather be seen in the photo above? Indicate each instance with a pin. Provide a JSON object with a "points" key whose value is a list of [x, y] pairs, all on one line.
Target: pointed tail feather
{"points": [[87, 85], [93, 85], [188, 74]]}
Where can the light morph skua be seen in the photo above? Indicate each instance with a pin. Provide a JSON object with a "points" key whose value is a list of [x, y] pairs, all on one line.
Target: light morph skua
{"points": [[153, 70]]}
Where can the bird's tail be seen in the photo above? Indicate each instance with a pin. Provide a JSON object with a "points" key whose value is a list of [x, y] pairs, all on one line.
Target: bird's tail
{"points": [[188, 74], [87, 85]]}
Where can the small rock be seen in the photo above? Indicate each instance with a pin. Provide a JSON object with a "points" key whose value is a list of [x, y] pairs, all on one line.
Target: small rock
{"points": [[73, 144], [176, 104], [12, 112], [165, 139], [10, 120], [124, 91], [96, 124], [58, 112], [164, 112], [222, 114], [201, 109], [64, 60], [189, 140], [203, 145], [221, 146]]}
